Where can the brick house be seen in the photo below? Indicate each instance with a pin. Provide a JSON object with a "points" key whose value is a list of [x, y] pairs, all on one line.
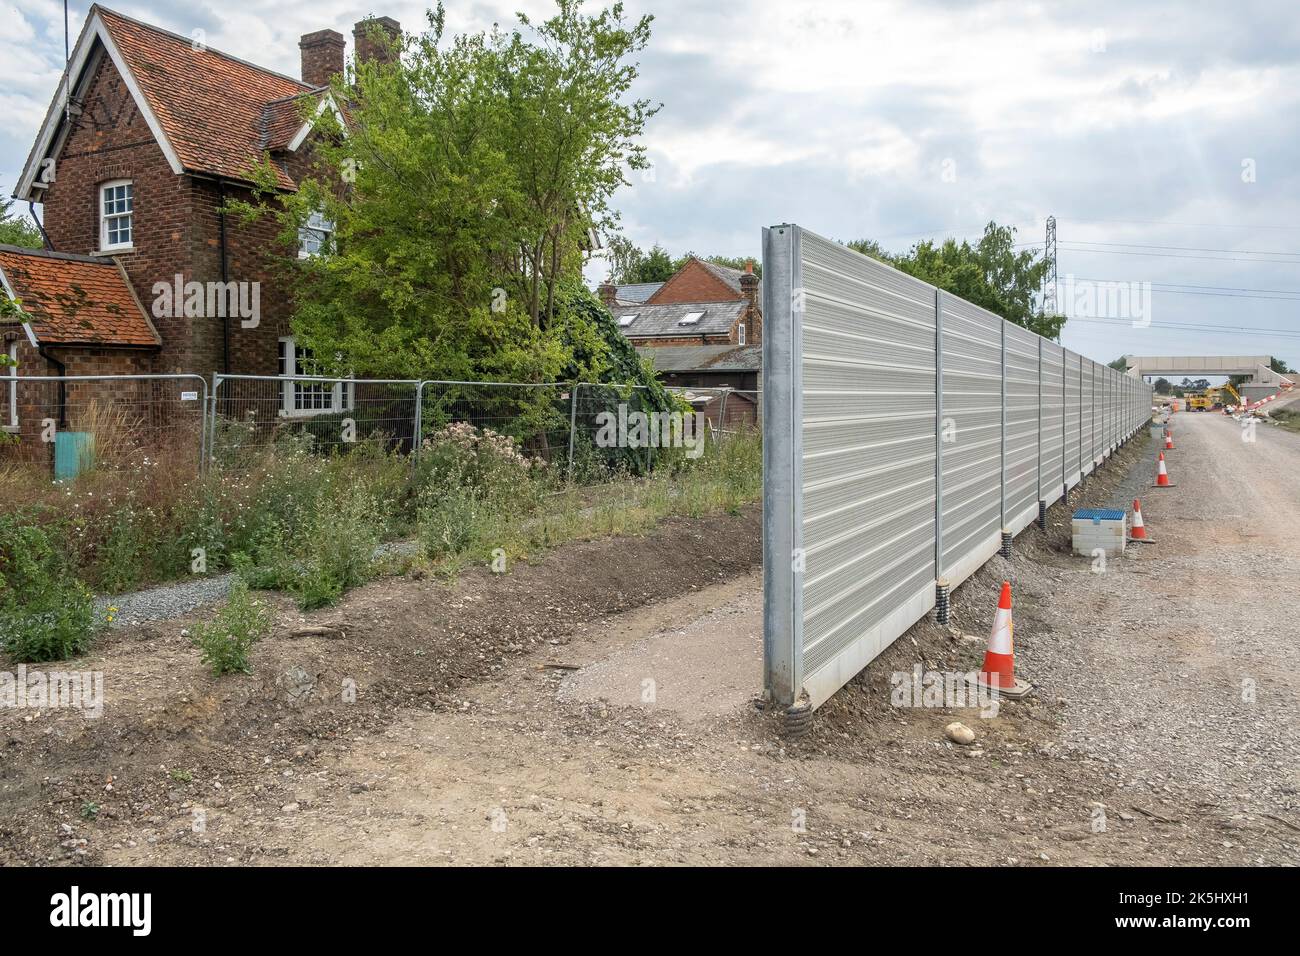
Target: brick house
{"points": [[701, 304], [141, 148], [703, 369]]}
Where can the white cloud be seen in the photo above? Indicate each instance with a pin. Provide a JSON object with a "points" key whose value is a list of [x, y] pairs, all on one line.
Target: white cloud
{"points": [[840, 114]]}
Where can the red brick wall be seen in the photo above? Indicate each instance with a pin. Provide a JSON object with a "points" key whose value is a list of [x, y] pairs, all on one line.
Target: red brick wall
{"points": [[693, 283], [112, 141], [177, 230], [71, 407]]}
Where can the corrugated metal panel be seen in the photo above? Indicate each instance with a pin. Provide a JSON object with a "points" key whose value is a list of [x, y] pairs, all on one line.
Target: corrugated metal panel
{"points": [[1087, 416], [1020, 474], [1072, 408], [868, 370], [860, 410], [972, 409], [1053, 468]]}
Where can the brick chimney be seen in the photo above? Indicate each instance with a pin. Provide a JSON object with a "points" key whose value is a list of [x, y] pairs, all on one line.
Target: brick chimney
{"points": [[754, 312], [375, 39], [749, 286], [322, 56], [608, 292]]}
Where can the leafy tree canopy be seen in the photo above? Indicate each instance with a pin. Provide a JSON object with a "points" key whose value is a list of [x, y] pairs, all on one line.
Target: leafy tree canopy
{"points": [[630, 265], [992, 274], [474, 169], [16, 229]]}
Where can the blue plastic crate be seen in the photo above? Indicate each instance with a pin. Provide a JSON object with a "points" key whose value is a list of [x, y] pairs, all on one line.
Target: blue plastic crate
{"points": [[1098, 515]]}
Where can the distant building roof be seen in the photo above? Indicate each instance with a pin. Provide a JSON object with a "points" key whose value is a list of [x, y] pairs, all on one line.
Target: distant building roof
{"points": [[75, 300], [713, 358], [637, 292], [684, 319]]}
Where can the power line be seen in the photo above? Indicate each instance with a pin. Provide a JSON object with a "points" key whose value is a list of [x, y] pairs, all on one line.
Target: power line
{"points": [[1209, 291], [1174, 255], [1190, 249], [1188, 327], [1165, 222], [1185, 285]]}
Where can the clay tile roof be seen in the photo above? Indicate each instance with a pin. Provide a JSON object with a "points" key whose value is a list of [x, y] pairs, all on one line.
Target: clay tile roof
{"points": [[76, 300], [281, 121], [211, 106]]}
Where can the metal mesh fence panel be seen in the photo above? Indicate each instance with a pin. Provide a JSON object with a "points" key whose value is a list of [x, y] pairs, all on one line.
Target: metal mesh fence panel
{"points": [[253, 415], [67, 425], [537, 416]]}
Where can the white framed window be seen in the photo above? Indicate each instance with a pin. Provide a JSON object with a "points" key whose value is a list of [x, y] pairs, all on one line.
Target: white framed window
{"points": [[116, 214], [740, 334], [690, 318], [303, 399], [11, 390], [625, 320], [315, 236]]}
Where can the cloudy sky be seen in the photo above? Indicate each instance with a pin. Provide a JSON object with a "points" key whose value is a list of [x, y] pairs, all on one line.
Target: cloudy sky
{"points": [[1161, 134]]}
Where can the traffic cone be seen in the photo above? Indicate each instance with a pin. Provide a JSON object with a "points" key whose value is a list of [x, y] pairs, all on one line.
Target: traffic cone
{"points": [[1139, 531], [999, 671], [1162, 476], [1169, 440]]}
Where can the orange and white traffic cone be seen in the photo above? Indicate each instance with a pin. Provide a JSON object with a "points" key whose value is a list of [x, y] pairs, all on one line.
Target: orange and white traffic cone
{"points": [[999, 671], [1162, 475], [1139, 530], [1169, 439]]}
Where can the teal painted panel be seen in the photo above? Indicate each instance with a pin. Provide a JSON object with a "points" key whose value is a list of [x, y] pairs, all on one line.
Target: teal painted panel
{"points": [[74, 452]]}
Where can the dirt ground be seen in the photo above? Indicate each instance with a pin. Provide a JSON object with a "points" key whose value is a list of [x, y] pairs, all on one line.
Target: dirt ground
{"points": [[597, 707]]}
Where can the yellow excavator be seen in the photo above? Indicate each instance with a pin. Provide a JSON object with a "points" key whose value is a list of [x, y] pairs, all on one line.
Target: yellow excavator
{"points": [[1218, 396], [1199, 401]]}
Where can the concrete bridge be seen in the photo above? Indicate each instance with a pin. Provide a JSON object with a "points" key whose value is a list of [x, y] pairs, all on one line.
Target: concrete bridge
{"points": [[1263, 380]]}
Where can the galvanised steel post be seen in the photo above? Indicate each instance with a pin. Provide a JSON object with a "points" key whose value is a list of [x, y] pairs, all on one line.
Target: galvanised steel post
{"points": [[573, 423], [782, 579], [938, 435], [419, 424], [1002, 472], [1038, 490]]}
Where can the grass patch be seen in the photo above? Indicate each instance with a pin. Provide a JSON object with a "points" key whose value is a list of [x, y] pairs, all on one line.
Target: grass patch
{"points": [[462, 530], [1287, 418]]}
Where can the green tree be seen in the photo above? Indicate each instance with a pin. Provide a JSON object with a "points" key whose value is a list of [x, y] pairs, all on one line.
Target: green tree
{"points": [[630, 265], [991, 274], [476, 167], [17, 230], [1163, 386]]}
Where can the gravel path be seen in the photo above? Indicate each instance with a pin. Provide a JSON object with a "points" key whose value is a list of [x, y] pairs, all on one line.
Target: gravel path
{"points": [[1181, 668], [165, 602], [170, 601]]}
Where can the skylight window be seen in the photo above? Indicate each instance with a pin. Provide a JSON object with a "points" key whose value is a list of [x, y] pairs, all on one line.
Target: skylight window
{"points": [[690, 318], [625, 320]]}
